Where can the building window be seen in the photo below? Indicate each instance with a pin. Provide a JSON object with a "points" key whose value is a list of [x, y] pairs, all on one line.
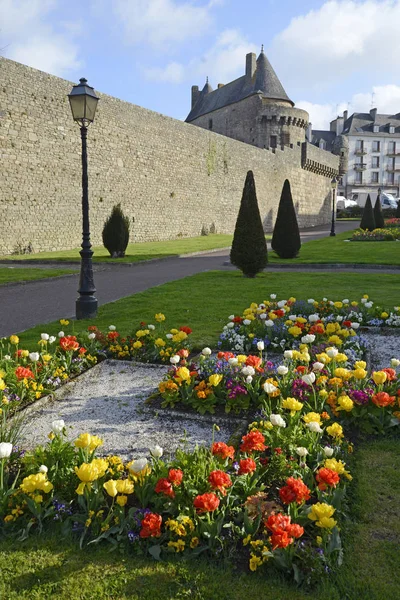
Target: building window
{"points": [[359, 177], [376, 146], [375, 162], [390, 178], [273, 141], [359, 145], [376, 128], [391, 129], [392, 148], [375, 177], [210, 123]]}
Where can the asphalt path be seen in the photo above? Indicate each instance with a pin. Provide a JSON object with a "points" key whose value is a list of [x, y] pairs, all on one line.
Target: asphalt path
{"points": [[28, 304]]}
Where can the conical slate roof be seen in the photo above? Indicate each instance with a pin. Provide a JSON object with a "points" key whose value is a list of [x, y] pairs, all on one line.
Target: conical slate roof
{"points": [[266, 83]]}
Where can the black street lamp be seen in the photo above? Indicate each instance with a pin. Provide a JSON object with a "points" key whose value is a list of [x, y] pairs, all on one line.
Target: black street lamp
{"points": [[83, 101], [334, 188]]}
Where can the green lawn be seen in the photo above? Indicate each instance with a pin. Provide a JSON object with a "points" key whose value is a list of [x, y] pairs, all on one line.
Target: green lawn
{"points": [[44, 568], [337, 250], [10, 274], [136, 252], [204, 301]]}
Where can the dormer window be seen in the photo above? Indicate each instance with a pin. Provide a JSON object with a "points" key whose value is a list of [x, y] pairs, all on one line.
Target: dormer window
{"points": [[376, 128], [391, 129]]}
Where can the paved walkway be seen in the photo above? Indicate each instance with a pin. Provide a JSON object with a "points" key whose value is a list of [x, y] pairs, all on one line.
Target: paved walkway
{"points": [[25, 305]]}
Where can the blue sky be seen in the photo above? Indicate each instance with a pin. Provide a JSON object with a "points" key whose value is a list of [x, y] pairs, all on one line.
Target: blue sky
{"points": [[329, 54]]}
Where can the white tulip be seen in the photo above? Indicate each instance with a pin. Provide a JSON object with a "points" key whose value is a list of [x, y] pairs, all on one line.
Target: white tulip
{"points": [[313, 318], [363, 301], [308, 378], [395, 362], [174, 360], [206, 351], [269, 323], [325, 299], [260, 346], [246, 321], [138, 465], [45, 336], [269, 388], [272, 296], [282, 370], [328, 451], [346, 301], [263, 316], [332, 352], [233, 362], [288, 354], [368, 304], [314, 427], [156, 451], [318, 366], [52, 339], [5, 449], [277, 421], [308, 339], [301, 451], [58, 425], [43, 469], [248, 371], [231, 317], [112, 327], [7, 357], [355, 325], [230, 325], [169, 336], [282, 303], [151, 327], [92, 336], [311, 301], [292, 317], [339, 319], [34, 356], [249, 379], [61, 334]]}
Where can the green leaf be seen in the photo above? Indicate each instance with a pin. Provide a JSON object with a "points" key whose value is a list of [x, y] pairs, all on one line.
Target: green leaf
{"points": [[155, 552]]}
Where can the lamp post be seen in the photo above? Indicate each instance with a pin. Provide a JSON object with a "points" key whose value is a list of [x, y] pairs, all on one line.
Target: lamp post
{"points": [[83, 102], [334, 187]]}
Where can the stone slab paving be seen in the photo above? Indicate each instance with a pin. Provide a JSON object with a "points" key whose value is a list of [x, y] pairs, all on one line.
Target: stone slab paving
{"points": [[109, 401]]}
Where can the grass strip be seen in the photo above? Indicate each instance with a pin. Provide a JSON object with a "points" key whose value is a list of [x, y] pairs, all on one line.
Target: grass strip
{"points": [[12, 274], [204, 301]]}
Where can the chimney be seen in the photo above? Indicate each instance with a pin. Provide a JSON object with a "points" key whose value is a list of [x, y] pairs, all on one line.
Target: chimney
{"points": [[373, 112], [339, 125], [220, 85], [345, 113], [251, 65], [309, 133], [195, 94]]}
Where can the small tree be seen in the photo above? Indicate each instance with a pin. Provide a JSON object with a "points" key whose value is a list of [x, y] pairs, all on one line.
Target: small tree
{"points": [[397, 213], [249, 247], [286, 237], [378, 215], [368, 219], [116, 232]]}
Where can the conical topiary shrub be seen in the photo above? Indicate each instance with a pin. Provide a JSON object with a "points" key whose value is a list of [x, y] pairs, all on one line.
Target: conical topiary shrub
{"points": [[378, 214], [249, 247], [368, 219], [397, 213], [116, 232], [286, 237]]}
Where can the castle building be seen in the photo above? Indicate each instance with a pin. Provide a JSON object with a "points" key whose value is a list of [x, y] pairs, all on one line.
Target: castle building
{"points": [[254, 108], [374, 151]]}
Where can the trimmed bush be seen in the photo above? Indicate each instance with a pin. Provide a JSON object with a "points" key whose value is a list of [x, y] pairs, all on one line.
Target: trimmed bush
{"points": [[286, 237], [116, 232], [397, 213], [249, 247], [378, 214], [368, 219]]}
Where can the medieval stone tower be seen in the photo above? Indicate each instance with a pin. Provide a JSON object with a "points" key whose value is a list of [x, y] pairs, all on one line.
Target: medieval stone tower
{"points": [[254, 108]]}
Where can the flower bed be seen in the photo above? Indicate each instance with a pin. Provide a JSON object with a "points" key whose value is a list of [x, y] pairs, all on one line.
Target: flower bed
{"points": [[390, 234], [279, 324]]}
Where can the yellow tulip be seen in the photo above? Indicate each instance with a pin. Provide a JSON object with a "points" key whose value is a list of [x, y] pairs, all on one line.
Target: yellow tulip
{"points": [[111, 488], [124, 486], [215, 379], [379, 377]]}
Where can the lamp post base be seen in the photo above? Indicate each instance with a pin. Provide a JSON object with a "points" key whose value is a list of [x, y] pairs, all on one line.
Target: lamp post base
{"points": [[332, 234], [86, 307]]}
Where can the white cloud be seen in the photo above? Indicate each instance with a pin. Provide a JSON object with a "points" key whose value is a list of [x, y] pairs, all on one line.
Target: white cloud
{"points": [[386, 98], [340, 38], [172, 73], [29, 38], [159, 22]]}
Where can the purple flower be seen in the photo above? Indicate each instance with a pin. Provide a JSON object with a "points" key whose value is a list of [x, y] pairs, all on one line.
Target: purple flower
{"points": [[359, 396]]}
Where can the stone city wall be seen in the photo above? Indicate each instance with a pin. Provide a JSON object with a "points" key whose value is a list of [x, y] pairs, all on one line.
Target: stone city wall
{"points": [[171, 178]]}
